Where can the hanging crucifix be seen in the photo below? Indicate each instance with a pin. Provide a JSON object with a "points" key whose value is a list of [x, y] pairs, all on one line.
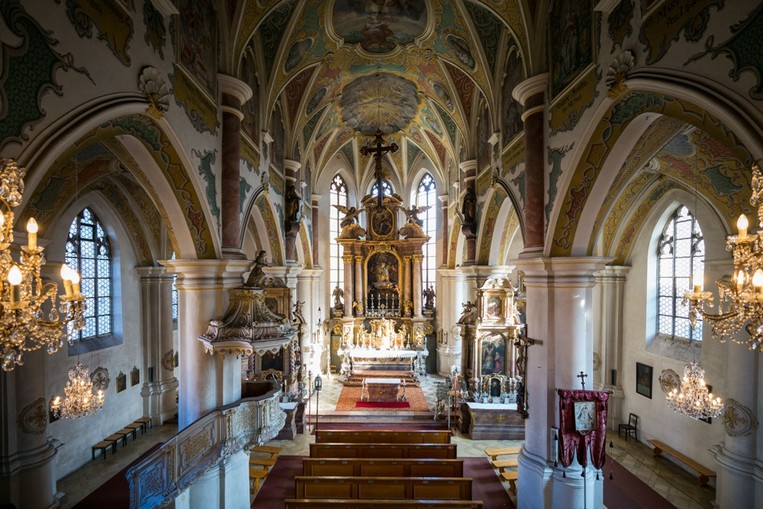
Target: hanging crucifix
{"points": [[378, 152]]}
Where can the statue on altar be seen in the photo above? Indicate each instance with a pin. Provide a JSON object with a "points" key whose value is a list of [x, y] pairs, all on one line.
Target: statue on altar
{"points": [[257, 273], [429, 296], [349, 224], [338, 295]]}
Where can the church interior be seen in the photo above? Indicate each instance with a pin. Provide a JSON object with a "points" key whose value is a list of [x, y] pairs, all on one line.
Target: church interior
{"points": [[244, 230]]}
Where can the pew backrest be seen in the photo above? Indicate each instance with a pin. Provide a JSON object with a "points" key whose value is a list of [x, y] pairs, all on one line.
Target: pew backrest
{"points": [[383, 436], [443, 488], [382, 450], [384, 467]]}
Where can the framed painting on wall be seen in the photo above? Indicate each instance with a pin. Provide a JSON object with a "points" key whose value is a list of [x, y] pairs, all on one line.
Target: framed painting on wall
{"points": [[644, 380]]}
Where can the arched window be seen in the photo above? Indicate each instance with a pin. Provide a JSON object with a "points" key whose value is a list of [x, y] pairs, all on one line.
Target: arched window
{"points": [[337, 196], [88, 252], [386, 188], [426, 196], [681, 255]]}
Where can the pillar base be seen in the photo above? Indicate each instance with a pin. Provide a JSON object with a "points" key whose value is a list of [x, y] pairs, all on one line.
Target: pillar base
{"points": [[556, 488]]}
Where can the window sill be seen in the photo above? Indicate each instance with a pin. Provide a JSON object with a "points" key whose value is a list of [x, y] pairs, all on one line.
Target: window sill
{"points": [[93, 343], [678, 348]]}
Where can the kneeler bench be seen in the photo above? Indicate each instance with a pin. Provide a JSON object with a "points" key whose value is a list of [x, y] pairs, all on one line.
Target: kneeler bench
{"points": [[494, 452], [103, 445], [511, 476], [704, 473]]}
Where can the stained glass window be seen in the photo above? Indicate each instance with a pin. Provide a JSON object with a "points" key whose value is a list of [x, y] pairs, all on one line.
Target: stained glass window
{"points": [[386, 188], [681, 256], [89, 253]]}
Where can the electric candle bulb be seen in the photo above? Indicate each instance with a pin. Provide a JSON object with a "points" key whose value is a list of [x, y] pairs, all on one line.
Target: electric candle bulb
{"points": [[14, 278], [66, 276], [75, 282], [742, 225], [31, 228]]}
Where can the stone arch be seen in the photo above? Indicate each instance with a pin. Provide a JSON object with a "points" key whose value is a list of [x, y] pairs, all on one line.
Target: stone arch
{"points": [[597, 163]]}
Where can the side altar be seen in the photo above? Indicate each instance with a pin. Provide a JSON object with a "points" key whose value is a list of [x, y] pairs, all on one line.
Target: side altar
{"points": [[382, 323]]}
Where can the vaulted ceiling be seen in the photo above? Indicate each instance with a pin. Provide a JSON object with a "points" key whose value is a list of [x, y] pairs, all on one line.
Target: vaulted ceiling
{"points": [[338, 70]]}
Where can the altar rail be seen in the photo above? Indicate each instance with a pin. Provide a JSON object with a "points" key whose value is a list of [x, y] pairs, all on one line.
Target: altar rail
{"points": [[168, 471]]}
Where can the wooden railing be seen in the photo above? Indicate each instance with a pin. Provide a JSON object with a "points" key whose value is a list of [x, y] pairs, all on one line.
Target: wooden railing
{"points": [[165, 473]]}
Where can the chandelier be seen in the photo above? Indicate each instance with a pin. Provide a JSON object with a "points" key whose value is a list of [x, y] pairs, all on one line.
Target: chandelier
{"points": [[79, 397], [741, 297], [30, 317], [693, 398]]}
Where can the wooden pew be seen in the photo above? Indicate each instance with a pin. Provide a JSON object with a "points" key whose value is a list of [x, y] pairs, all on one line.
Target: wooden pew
{"points": [[383, 467], [332, 503], [383, 503], [385, 436], [704, 473], [501, 465], [501, 451], [447, 488], [382, 450]]}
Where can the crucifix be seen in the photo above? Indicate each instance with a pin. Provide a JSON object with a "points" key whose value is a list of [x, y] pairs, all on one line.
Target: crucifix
{"points": [[582, 377], [378, 152]]}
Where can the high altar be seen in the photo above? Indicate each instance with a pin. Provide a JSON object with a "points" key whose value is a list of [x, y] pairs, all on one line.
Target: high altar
{"points": [[381, 321]]}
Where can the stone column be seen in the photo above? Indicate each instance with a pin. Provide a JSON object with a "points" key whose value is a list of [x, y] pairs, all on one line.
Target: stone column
{"points": [[608, 337], [469, 227], [531, 93], [27, 475], [348, 290], [449, 310], [234, 94], [359, 288], [316, 222], [160, 383], [417, 285], [309, 291], [444, 230], [559, 305], [206, 382]]}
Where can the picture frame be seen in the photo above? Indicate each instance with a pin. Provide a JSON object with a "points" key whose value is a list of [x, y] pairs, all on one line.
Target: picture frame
{"points": [[644, 380], [121, 382], [585, 416]]}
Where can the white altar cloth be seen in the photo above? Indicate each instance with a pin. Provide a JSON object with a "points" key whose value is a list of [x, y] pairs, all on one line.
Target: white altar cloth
{"points": [[372, 353]]}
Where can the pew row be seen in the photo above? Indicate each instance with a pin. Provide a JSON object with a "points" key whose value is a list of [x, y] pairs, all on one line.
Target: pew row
{"points": [[383, 436], [383, 450], [383, 467], [443, 488], [301, 503]]}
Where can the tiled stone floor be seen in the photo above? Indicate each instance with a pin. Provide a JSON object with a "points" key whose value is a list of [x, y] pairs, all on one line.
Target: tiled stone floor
{"points": [[675, 484]]}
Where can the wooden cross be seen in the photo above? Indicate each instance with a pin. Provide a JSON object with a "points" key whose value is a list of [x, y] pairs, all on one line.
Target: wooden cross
{"points": [[582, 377], [378, 152]]}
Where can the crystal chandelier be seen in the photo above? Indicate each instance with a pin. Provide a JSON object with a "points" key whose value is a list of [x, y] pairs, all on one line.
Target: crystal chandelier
{"points": [[79, 397], [30, 317], [693, 398], [741, 298]]}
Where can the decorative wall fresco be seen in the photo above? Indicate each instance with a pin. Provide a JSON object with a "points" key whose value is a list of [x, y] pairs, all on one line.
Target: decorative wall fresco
{"points": [[743, 48], [197, 43], [110, 18], [201, 110], [461, 49], [571, 35], [244, 188], [605, 137], [306, 246], [619, 23], [348, 152], [379, 27], [379, 101], [28, 72], [448, 122], [277, 131], [491, 209], [156, 32], [489, 28], [297, 52], [464, 87], [271, 32], [413, 151], [555, 156], [294, 91], [271, 230], [206, 160], [438, 147], [307, 131], [510, 107], [665, 24], [568, 108], [250, 123]]}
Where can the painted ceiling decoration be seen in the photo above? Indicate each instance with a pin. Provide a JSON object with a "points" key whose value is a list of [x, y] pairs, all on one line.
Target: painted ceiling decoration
{"points": [[415, 66]]}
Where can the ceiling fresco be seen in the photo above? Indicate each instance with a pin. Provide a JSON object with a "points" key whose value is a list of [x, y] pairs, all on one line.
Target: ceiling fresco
{"points": [[401, 66]]}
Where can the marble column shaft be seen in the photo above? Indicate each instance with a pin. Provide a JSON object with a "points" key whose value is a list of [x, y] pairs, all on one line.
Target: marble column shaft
{"points": [[348, 285], [359, 280], [417, 296]]}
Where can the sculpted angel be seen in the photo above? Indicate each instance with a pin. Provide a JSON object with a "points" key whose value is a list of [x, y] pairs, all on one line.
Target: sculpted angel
{"points": [[350, 215]]}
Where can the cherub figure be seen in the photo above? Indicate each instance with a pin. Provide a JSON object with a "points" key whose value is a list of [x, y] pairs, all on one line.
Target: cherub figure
{"points": [[350, 215], [413, 214]]}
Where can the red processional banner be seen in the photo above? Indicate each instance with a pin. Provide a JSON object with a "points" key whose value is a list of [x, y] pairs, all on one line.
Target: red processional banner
{"points": [[582, 426]]}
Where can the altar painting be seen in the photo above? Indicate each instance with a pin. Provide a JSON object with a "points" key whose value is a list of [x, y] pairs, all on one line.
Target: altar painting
{"points": [[272, 361], [493, 355]]}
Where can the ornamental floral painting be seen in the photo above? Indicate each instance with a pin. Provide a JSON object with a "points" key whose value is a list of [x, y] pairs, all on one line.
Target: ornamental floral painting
{"points": [[197, 50], [379, 101], [379, 27]]}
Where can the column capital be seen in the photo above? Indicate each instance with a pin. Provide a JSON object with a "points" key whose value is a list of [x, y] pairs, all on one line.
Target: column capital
{"points": [[443, 199], [469, 164], [417, 258], [612, 273], [530, 87], [291, 164], [562, 272], [347, 258], [316, 197], [407, 258], [358, 259], [232, 86], [153, 271], [207, 274]]}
